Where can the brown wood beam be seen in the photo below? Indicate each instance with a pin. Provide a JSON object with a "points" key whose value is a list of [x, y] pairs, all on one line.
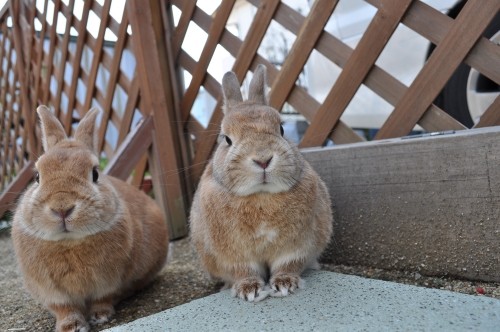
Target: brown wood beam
{"points": [[490, 117], [130, 152], [155, 86], [301, 49]]}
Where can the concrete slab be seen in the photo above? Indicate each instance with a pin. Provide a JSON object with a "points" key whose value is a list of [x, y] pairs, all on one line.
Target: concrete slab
{"points": [[332, 302]]}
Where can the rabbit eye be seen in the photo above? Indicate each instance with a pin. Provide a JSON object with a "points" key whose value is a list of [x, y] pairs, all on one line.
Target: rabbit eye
{"points": [[95, 174], [282, 131], [37, 177], [228, 140]]}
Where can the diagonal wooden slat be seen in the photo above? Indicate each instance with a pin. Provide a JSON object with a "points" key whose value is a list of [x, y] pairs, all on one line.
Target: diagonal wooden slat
{"points": [[48, 59], [356, 69], [216, 29], [7, 133], [490, 117], [188, 8], [64, 50], [139, 170], [128, 114], [3, 75], [27, 20], [26, 103], [113, 78], [467, 29], [13, 153], [98, 49], [75, 65], [435, 119], [300, 51], [39, 61], [14, 189], [433, 25], [131, 151]]}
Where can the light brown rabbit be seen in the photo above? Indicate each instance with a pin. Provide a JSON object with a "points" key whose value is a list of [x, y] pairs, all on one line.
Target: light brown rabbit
{"points": [[84, 240], [260, 211]]}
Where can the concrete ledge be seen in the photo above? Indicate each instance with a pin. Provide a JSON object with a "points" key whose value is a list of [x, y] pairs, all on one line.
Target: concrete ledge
{"points": [[332, 302], [424, 204]]}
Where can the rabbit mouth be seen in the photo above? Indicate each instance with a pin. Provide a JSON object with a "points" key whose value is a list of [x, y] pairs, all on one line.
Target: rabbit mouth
{"points": [[265, 178], [64, 228], [264, 184]]}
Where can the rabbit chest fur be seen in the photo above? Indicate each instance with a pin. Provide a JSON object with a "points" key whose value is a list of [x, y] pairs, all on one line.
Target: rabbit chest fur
{"points": [[263, 227], [54, 272]]}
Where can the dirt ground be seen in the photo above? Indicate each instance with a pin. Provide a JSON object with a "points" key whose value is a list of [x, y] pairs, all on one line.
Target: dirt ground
{"points": [[180, 281]]}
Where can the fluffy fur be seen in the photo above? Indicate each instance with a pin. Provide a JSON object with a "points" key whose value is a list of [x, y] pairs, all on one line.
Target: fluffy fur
{"points": [[260, 213], [82, 245]]}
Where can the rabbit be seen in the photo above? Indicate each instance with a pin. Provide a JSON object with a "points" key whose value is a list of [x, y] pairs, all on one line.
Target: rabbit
{"points": [[260, 212], [84, 240]]}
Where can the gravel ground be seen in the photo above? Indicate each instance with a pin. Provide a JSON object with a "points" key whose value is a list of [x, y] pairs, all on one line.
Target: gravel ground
{"points": [[180, 281]]}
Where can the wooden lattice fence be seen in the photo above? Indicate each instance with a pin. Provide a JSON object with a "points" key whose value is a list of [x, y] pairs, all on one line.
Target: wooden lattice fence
{"points": [[93, 61], [458, 40], [154, 129]]}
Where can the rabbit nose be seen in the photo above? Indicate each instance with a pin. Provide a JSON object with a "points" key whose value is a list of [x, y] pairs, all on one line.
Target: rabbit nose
{"points": [[63, 213], [263, 164]]}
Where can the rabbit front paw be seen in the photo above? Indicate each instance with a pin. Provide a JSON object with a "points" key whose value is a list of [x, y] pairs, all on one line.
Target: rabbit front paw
{"points": [[250, 289], [285, 283], [72, 323], [100, 313]]}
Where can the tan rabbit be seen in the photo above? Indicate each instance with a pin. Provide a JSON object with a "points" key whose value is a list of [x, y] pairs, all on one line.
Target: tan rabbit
{"points": [[260, 211], [84, 240]]}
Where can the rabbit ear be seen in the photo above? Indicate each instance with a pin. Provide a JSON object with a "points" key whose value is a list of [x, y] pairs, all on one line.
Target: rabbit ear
{"points": [[85, 132], [231, 89], [52, 130], [257, 92]]}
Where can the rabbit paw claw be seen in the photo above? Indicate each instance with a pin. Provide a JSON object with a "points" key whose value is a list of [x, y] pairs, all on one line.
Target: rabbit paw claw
{"points": [[250, 289], [73, 323], [284, 284], [100, 313]]}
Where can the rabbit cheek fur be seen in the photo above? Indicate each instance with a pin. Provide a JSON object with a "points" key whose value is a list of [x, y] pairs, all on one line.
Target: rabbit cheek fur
{"points": [[83, 245], [260, 212]]}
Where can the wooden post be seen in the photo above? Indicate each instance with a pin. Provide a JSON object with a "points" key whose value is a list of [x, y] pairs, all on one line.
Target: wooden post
{"points": [[157, 93]]}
